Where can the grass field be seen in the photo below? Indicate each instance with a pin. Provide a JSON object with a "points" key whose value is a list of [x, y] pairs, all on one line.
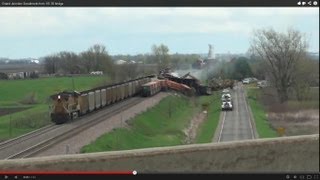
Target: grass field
{"points": [[33, 94], [264, 128], [161, 125], [15, 91], [312, 102], [207, 129], [22, 122]]}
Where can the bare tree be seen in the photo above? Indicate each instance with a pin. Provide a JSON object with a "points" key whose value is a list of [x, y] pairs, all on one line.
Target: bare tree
{"points": [[69, 62], [126, 72], [51, 64], [87, 61], [161, 54], [96, 58], [281, 51]]}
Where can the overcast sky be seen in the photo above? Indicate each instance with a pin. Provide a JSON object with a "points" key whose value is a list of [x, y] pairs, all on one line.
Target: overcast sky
{"points": [[36, 32]]}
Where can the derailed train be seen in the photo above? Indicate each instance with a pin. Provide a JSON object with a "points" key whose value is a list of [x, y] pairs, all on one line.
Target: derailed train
{"points": [[69, 105], [153, 87]]}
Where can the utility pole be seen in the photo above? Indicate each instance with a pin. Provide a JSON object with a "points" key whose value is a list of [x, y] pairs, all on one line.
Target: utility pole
{"points": [[207, 79], [10, 127], [73, 84], [210, 51], [121, 118]]}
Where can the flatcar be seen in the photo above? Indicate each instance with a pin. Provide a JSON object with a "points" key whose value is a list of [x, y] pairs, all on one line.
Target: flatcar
{"points": [[69, 105]]}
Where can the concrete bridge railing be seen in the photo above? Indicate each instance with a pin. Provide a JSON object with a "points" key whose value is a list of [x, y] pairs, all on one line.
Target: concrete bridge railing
{"points": [[285, 154]]}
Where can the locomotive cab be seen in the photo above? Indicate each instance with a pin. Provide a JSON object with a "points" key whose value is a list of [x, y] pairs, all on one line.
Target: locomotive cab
{"points": [[65, 106]]}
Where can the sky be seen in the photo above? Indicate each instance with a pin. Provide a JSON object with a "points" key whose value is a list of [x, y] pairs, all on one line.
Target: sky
{"points": [[37, 32]]}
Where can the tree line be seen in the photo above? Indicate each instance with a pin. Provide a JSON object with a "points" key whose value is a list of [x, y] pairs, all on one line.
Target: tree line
{"points": [[280, 57], [97, 58]]}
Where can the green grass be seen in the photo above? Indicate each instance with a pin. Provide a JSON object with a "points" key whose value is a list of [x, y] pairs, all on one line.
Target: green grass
{"points": [[208, 127], [14, 92], [264, 128], [18, 123], [159, 126]]}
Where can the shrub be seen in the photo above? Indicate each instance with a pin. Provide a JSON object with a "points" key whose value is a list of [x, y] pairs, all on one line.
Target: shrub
{"points": [[3, 75], [34, 75], [29, 99]]}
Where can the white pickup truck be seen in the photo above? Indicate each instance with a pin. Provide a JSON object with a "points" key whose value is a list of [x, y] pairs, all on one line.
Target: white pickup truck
{"points": [[227, 105], [226, 102]]}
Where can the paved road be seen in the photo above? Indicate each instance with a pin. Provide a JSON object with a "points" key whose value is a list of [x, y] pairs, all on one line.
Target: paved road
{"points": [[236, 124]]}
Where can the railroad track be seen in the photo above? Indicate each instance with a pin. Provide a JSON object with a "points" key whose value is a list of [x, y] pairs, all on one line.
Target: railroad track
{"points": [[14, 141], [37, 148]]}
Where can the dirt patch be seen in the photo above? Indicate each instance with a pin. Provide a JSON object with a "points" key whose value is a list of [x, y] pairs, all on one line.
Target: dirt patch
{"points": [[301, 122], [191, 131], [5, 111]]}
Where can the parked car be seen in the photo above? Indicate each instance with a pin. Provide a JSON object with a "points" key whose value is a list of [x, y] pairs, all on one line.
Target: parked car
{"points": [[246, 81], [262, 84]]}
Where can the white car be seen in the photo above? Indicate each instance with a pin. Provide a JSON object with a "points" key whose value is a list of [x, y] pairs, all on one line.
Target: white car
{"points": [[245, 81], [262, 84], [226, 105], [226, 96], [225, 91]]}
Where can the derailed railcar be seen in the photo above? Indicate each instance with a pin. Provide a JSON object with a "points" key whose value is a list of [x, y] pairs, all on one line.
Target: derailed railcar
{"points": [[151, 88]]}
